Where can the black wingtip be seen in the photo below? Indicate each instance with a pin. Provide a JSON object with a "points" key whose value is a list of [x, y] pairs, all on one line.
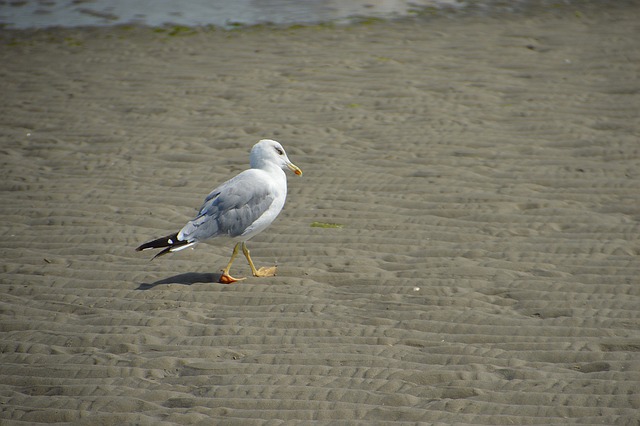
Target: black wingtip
{"points": [[163, 252], [168, 241]]}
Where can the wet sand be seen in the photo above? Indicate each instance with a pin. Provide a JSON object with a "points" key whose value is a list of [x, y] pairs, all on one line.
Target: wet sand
{"points": [[483, 174]]}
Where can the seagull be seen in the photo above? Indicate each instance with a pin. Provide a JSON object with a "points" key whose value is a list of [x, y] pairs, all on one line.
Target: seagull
{"points": [[239, 209]]}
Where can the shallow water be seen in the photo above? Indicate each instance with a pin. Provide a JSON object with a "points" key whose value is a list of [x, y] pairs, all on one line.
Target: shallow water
{"points": [[225, 13]]}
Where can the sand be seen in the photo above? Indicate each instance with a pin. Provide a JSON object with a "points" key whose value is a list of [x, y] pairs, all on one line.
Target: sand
{"points": [[482, 175]]}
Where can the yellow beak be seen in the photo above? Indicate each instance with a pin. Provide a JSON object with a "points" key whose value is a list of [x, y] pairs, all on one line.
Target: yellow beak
{"points": [[295, 169]]}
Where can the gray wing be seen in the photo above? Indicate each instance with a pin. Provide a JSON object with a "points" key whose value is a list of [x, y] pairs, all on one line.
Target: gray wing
{"points": [[230, 208]]}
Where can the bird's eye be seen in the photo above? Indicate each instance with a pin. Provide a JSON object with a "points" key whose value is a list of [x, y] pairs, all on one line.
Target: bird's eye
{"points": [[279, 151]]}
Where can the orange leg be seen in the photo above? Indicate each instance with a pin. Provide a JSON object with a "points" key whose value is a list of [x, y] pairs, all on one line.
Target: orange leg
{"points": [[262, 272], [225, 278]]}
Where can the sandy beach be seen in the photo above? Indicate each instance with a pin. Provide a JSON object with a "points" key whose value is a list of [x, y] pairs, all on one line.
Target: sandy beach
{"points": [[475, 179]]}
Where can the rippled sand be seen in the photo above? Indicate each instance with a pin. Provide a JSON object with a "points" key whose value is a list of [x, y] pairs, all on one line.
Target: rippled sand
{"points": [[481, 176]]}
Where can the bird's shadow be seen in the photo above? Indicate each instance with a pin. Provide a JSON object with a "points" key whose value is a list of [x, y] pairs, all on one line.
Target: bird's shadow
{"points": [[183, 279]]}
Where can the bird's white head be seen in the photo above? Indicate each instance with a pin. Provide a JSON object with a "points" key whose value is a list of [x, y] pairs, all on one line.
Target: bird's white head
{"points": [[267, 152]]}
